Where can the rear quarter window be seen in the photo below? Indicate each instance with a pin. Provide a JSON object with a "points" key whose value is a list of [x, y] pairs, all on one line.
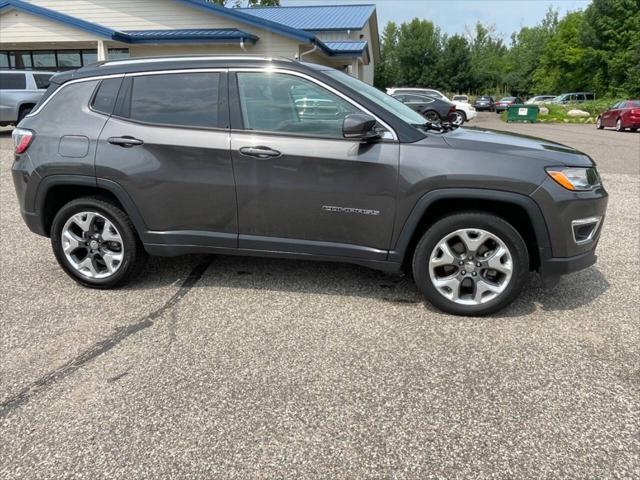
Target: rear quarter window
{"points": [[13, 81], [104, 99]]}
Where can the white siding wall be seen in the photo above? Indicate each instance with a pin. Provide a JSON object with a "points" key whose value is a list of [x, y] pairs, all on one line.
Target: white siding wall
{"points": [[17, 27], [166, 14]]}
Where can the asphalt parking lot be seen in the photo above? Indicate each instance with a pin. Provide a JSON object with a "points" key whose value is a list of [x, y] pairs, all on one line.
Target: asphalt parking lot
{"points": [[228, 367]]}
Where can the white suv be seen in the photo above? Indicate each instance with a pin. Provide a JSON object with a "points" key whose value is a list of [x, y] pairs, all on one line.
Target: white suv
{"points": [[20, 90], [464, 110]]}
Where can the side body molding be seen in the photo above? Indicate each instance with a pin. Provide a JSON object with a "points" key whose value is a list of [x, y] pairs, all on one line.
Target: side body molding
{"points": [[528, 204]]}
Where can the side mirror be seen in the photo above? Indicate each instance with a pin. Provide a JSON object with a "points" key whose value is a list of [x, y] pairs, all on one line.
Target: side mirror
{"points": [[359, 126]]}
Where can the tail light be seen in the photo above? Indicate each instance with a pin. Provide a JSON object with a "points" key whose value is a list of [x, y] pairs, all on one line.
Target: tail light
{"points": [[635, 111], [22, 138]]}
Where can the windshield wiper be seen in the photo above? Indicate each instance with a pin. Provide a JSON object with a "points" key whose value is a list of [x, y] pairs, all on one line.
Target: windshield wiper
{"points": [[435, 126]]}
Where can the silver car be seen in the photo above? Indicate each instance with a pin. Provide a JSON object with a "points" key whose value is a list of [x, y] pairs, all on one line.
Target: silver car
{"points": [[20, 90]]}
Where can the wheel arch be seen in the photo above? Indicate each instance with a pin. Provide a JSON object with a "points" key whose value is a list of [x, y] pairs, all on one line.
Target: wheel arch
{"points": [[55, 191], [519, 210]]}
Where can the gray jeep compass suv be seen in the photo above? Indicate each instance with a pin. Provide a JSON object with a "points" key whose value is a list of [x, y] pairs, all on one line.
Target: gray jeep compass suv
{"points": [[252, 156]]}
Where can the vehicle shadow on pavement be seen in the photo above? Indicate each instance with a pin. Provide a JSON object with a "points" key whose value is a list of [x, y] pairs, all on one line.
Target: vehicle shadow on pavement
{"points": [[329, 278]]}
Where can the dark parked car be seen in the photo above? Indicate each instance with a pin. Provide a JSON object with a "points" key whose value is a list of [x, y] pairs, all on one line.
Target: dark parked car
{"points": [[170, 156], [433, 109], [623, 115], [485, 102], [505, 102]]}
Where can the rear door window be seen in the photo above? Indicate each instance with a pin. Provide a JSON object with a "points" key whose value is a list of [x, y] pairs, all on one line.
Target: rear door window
{"points": [[13, 81], [183, 99]]}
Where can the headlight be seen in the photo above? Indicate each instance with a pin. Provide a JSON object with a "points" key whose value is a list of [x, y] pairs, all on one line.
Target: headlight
{"points": [[574, 178]]}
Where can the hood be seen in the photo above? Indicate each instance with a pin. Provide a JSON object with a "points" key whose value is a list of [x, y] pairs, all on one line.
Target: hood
{"points": [[517, 145]]}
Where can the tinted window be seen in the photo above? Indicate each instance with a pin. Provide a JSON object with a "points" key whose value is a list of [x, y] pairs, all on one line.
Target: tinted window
{"points": [[189, 99], [590, 96], [42, 80], [4, 60], [633, 104], [289, 104], [12, 81], [105, 97], [418, 98]]}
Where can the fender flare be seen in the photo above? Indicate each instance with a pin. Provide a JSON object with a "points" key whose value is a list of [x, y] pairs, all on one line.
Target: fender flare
{"points": [[427, 200], [51, 181]]}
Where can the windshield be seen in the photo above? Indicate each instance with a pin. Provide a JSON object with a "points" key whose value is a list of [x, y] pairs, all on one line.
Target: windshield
{"points": [[387, 102]]}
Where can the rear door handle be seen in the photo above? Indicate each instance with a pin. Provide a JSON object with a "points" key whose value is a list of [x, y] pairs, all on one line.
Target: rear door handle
{"points": [[259, 152], [125, 141]]}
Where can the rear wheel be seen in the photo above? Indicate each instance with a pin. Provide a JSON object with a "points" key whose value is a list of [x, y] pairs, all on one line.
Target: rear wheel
{"points": [[599, 124], [96, 244], [432, 116], [471, 263], [458, 118]]}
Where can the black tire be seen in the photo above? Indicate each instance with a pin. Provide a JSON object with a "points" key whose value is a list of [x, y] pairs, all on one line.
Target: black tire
{"points": [[432, 116], [486, 221], [599, 124], [135, 255], [24, 111], [619, 127], [633, 129]]}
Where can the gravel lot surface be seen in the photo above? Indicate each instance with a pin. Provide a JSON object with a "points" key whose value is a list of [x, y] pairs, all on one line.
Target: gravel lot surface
{"points": [[225, 367]]}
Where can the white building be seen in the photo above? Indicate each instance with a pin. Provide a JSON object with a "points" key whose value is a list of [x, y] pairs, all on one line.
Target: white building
{"points": [[64, 34]]}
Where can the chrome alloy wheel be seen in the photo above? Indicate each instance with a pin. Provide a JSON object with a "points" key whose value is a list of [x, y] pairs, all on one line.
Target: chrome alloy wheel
{"points": [[470, 266], [457, 118], [92, 245]]}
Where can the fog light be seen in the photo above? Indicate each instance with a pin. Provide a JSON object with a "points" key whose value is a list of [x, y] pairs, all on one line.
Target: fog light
{"points": [[584, 229]]}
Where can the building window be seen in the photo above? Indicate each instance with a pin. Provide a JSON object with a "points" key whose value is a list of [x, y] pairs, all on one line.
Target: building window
{"points": [[54, 59], [89, 57], [69, 59], [4, 60], [20, 60], [44, 60]]}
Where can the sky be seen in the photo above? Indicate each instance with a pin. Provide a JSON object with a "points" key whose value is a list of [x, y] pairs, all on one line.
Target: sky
{"points": [[452, 16]]}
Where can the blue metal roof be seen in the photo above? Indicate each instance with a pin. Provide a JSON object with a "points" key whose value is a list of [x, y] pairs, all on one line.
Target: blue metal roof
{"points": [[316, 17], [347, 47], [200, 34]]}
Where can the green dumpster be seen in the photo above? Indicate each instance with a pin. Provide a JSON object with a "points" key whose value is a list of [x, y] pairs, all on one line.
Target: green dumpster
{"points": [[522, 113]]}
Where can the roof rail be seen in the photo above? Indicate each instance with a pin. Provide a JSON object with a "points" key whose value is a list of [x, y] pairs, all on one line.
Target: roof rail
{"points": [[186, 58]]}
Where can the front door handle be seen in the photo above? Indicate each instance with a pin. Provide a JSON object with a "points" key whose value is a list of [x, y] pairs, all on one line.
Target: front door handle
{"points": [[125, 141], [259, 152]]}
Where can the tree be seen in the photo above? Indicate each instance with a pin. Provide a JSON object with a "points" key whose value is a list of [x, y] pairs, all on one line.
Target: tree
{"points": [[385, 74], [523, 57], [487, 58], [454, 65], [561, 66], [611, 39], [417, 52]]}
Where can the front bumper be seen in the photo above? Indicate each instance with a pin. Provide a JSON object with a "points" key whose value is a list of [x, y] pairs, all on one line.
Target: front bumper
{"points": [[561, 207]]}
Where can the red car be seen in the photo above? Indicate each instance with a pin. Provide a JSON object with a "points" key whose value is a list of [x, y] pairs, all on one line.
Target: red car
{"points": [[624, 114]]}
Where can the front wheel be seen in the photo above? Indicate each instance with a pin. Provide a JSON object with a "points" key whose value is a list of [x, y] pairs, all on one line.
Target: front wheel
{"points": [[96, 244], [471, 263], [458, 118], [619, 127]]}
